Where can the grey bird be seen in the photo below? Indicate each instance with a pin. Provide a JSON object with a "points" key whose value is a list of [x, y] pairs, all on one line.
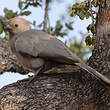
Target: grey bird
{"points": [[39, 51]]}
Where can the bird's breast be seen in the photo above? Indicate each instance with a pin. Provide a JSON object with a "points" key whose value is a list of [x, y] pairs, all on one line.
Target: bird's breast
{"points": [[30, 62]]}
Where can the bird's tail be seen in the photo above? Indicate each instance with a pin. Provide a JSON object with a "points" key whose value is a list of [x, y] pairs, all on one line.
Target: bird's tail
{"points": [[94, 72]]}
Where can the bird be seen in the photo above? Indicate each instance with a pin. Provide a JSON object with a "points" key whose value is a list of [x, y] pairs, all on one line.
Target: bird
{"points": [[40, 51]]}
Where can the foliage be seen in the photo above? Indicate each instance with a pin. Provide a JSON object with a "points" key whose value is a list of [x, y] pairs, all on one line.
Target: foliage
{"points": [[80, 48], [1, 27], [60, 29], [80, 9], [85, 10]]}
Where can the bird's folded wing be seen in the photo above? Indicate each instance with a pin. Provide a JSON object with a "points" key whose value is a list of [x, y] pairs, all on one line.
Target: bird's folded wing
{"points": [[43, 46], [25, 45]]}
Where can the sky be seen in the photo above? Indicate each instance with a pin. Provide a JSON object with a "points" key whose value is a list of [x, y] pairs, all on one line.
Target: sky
{"points": [[57, 9]]}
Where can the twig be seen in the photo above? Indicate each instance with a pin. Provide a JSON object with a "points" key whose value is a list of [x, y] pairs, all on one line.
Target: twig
{"points": [[46, 15], [90, 6], [27, 3]]}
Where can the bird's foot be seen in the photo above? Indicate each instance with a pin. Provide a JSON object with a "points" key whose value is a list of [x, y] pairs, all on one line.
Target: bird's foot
{"points": [[19, 82], [31, 79]]}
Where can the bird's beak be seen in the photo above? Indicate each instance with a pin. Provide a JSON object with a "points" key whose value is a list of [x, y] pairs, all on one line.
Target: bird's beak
{"points": [[5, 23]]}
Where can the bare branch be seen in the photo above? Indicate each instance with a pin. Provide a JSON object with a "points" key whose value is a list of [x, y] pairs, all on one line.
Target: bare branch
{"points": [[46, 14], [91, 12]]}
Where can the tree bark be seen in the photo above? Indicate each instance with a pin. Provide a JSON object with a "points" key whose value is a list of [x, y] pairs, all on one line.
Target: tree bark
{"points": [[75, 91], [100, 59], [8, 61]]}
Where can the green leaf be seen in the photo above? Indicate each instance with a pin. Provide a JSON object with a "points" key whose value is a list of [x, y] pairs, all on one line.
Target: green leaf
{"points": [[26, 13], [1, 27], [72, 13], [34, 23], [58, 26], [62, 34], [36, 4], [5, 10], [93, 39], [69, 26], [89, 27], [88, 40], [81, 15], [20, 4], [9, 13], [88, 15]]}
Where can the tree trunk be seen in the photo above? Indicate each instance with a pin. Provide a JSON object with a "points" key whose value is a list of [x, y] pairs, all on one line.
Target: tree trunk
{"points": [[75, 91], [100, 59]]}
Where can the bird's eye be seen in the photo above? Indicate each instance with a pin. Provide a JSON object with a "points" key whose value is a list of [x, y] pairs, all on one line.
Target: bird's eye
{"points": [[16, 25]]}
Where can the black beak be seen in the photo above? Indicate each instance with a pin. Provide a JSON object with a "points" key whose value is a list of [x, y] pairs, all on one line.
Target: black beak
{"points": [[5, 23]]}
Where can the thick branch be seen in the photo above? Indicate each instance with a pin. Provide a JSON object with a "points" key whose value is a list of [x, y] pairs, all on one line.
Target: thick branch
{"points": [[8, 61], [50, 92]]}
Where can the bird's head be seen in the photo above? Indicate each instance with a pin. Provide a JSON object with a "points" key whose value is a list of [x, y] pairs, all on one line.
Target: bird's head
{"points": [[17, 25]]}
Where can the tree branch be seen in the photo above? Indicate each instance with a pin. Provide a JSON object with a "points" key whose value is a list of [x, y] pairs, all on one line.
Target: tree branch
{"points": [[57, 91], [46, 15], [91, 12], [8, 61]]}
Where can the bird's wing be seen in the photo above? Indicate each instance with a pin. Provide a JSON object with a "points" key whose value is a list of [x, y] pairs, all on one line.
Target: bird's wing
{"points": [[40, 44], [25, 44]]}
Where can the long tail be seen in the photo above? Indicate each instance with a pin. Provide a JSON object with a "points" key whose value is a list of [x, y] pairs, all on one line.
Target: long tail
{"points": [[94, 72]]}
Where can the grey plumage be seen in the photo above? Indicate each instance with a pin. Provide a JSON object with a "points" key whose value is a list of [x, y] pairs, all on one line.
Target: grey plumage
{"points": [[40, 51], [36, 48]]}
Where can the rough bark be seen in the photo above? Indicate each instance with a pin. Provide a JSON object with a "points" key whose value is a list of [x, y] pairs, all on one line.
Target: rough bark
{"points": [[100, 59], [8, 61], [75, 91]]}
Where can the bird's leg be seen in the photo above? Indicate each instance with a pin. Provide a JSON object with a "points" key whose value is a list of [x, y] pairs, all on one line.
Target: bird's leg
{"points": [[40, 70], [31, 79]]}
